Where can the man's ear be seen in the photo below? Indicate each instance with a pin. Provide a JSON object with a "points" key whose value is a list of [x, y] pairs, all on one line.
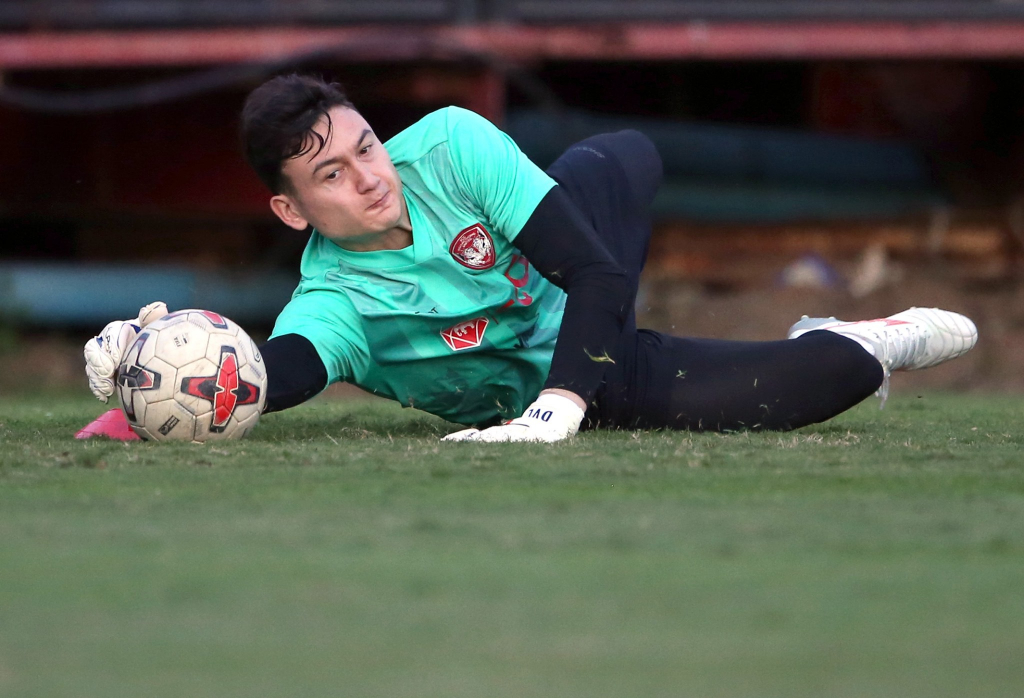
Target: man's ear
{"points": [[284, 207]]}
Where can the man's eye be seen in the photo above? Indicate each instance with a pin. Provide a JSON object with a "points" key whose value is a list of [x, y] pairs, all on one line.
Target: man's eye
{"points": [[333, 175], [366, 149]]}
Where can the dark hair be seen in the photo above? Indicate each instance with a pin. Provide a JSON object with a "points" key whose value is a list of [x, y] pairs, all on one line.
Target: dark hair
{"points": [[278, 120]]}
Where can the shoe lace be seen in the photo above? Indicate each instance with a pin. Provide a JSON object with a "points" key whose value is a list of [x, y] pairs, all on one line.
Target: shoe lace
{"points": [[896, 344], [901, 343], [883, 389]]}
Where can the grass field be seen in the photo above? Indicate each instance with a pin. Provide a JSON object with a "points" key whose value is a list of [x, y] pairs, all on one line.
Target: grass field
{"points": [[343, 551]]}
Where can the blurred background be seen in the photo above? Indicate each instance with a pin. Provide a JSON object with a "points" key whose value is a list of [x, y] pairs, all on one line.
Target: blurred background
{"points": [[848, 157]]}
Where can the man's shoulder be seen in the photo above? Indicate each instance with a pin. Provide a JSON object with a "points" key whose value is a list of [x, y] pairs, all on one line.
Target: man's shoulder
{"points": [[323, 276], [434, 129], [417, 140], [322, 297]]}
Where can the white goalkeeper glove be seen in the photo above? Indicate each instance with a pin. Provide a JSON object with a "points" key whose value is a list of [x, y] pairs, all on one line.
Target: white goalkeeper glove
{"points": [[550, 418], [103, 353]]}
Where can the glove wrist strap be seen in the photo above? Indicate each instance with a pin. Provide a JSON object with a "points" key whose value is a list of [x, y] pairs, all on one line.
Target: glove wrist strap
{"points": [[550, 407]]}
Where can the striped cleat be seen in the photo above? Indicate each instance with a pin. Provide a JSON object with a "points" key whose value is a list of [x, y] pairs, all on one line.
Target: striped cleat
{"points": [[907, 341]]}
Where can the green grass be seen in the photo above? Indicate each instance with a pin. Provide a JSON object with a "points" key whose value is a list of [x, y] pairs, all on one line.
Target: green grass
{"points": [[343, 551]]}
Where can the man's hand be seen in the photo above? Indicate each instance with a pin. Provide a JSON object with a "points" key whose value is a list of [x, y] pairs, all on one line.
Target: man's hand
{"points": [[552, 417], [103, 352]]}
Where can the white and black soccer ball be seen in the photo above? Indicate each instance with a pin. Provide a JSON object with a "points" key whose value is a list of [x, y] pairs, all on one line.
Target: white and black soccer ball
{"points": [[192, 375]]}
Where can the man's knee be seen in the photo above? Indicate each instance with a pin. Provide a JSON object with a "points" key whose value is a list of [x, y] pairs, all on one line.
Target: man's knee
{"points": [[641, 162]]}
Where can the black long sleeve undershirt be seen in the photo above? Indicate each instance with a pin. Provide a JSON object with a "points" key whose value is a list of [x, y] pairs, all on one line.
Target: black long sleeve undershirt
{"points": [[295, 372], [563, 247]]}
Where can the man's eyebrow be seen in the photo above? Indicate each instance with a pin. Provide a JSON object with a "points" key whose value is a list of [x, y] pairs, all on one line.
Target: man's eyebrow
{"points": [[325, 163], [336, 159]]}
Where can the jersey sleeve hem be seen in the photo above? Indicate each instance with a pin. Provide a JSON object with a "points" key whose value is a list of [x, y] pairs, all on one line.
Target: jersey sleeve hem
{"points": [[328, 324]]}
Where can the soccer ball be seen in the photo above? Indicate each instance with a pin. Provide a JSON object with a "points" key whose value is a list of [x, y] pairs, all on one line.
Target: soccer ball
{"points": [[192, 375]]}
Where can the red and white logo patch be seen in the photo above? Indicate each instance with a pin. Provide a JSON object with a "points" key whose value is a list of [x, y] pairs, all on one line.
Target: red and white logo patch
{"points": [[473, 248], [465, 335]]}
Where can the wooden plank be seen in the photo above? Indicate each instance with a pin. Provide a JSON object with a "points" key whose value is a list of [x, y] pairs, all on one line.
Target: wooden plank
{"points": [[833, 239], [747, 255], [624, 41]]}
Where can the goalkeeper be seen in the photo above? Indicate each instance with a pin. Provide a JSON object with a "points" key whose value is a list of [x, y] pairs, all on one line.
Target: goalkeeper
{"points": [[448, 272]]}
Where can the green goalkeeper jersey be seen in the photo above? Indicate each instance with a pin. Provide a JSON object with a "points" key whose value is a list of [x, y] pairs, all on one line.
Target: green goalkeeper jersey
{"points": [[458, 324]]}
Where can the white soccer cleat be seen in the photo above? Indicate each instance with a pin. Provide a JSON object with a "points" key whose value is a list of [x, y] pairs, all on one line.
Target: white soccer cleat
{"points": [[914, 339]]}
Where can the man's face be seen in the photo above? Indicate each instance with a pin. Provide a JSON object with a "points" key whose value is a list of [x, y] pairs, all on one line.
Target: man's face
{"points": [[349, 191]]}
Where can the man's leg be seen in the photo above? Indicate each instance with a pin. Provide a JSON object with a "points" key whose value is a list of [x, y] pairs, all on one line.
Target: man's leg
{"points": [[659, 381], [716, 385], [612, 178], [826, 367]]}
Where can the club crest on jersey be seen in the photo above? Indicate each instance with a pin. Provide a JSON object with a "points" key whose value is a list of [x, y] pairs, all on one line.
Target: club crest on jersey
{"points": [[225, 389], [465, 335], [473, 248]]}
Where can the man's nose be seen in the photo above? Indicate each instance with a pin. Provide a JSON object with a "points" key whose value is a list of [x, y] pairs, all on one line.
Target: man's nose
{"points": [[366, 178]]}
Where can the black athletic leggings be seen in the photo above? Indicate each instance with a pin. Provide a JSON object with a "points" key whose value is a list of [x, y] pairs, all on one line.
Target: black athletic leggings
{"points": [[682, 383]]}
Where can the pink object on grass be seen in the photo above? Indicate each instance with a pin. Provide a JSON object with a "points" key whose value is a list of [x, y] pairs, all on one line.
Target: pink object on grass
{"points": [[111, 424]]}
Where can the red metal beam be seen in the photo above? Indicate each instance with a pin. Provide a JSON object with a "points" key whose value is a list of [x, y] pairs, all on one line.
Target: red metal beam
{"points": [[633, 41]]}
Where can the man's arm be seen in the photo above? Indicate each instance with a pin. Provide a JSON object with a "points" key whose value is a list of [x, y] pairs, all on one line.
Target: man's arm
{"points": [[528, 207], [563, 247], [315, 339], [295, 372]]}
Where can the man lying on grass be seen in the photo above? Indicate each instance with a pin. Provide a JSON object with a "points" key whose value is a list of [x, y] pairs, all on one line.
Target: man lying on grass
{"points": [[448, 272]]}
